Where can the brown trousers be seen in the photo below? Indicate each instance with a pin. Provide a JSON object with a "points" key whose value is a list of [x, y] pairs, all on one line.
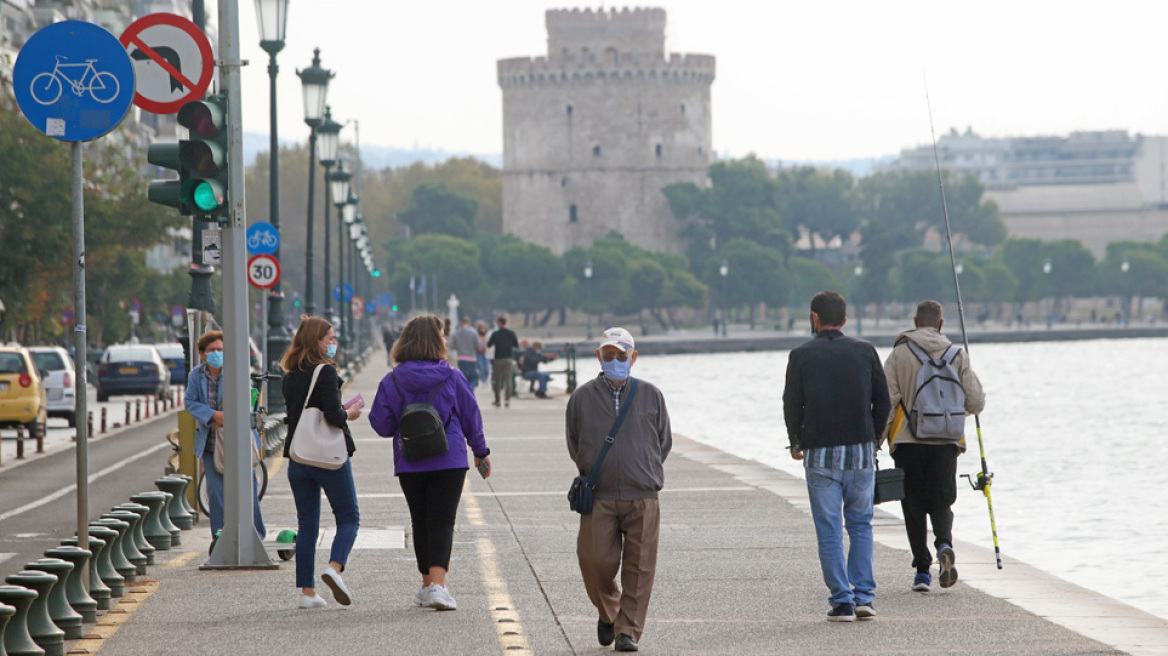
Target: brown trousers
{"points": [[620, 536]]}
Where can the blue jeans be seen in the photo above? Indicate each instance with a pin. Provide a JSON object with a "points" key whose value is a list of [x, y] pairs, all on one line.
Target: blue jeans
{"points": [[850, 582], [470, 369], [541, 377], [214, 484], [307, 482], [484, 366]]}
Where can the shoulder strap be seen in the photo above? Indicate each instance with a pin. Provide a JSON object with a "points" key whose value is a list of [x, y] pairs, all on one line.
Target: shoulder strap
{"points": [[950, 354], [918, 351], [435, 392], [312, 386], [611, 437]]}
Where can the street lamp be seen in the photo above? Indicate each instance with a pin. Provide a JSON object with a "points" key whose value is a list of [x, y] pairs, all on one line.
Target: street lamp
{"points": [[724, 269], [328, 133], [339, 189], [348, 214], [859, 271], [1046, 273], [1127, 303], [588, 292], [273, 22], [314, 82]]}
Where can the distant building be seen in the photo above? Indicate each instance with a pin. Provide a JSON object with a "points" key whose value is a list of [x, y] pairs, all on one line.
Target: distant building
{"points": [[595, 129], [1096, 187]]}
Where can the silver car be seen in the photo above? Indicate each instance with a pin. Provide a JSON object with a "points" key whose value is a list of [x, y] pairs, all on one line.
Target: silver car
{"points": [[60, 380]]}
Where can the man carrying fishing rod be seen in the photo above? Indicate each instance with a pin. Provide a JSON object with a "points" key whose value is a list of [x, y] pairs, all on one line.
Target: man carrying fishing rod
{"points": [[932, 388]]}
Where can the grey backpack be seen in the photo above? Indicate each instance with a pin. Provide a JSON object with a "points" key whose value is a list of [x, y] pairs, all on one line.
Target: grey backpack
{"points": [[938, 411]]}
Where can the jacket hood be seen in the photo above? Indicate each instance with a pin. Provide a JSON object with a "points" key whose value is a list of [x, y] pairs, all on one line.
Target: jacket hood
{"points": [[930, 339], [421, 376]]}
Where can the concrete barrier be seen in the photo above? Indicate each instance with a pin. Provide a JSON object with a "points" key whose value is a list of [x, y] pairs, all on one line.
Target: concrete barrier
{"points": [[98, 590], [40, 625], [60, 612], [75, 593], [139, 533], [17, 641]]}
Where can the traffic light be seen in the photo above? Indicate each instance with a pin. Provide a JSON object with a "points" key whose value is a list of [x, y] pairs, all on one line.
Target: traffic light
{"points": [[204, 157], [377, 273], [168, 192]]}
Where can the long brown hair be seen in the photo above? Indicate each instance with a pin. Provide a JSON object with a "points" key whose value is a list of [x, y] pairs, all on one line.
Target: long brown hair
{"points": [[421, 339], [305, 351]]}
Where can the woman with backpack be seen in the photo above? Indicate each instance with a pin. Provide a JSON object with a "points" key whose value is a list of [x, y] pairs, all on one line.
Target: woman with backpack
{"points": [[430, 411]]}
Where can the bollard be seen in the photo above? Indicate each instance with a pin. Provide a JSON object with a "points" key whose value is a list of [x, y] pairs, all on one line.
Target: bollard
{"points": [[40, 624], [156, 412], [103, 423], [20, 442], [127, 414], [157, 535], [117, 551], [182, 400], [129, 549], [186, 495], [174, 509], [139, 534], [75, 593], [147, 404], [105, 565], [40, 434], [98, 590], [6, 613], [60, 612], [137, 410], [17, 641], [89, 425], [164, 519]]}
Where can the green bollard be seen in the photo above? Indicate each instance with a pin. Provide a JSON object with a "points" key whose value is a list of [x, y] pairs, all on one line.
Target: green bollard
{"points": [[62, 614], [75, 593], [139, 534], [40, 624], [129, 549], [98, 590], [105, 565], [6, 613], [17, 641], [184, 499], [118, 551], [164, 519], [156, 535], [175, 510]]}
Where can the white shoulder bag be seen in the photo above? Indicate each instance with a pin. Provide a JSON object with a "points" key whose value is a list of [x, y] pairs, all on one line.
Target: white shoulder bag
{"points": [[316, 442]]}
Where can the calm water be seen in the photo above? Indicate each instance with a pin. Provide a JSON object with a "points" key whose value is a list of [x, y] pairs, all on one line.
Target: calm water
{"points": [[1075, 433]]}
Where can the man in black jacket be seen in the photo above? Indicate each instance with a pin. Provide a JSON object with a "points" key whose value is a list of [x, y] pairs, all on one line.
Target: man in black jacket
{"points": [[505, 342], [836, 404]]}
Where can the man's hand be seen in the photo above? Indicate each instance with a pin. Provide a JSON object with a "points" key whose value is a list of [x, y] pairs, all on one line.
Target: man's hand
{"points": [[217, 419], [796, 455]]}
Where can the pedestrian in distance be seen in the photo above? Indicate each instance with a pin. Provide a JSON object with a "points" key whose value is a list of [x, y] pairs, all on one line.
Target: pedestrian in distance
{"points": [[481, 352], [204, 400], [929, 463], [315, 344], [835, 404], [621, 533], [432, 484], [505, 342], [465, 342], [529, 363]]}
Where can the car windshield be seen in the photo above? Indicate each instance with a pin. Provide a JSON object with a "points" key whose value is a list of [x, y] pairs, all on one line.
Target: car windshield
{"points": [[129, 355], [49, 361], [170, 352], [11, 363]]}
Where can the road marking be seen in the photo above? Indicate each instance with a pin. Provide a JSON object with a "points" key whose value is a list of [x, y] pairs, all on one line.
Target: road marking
{"points": [[113, 619], [508, 628], [393, 537], [182, 559], [6, 556], [92, 477]]}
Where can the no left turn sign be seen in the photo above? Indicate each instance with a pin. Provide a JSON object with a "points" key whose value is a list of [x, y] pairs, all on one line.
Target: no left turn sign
{"points": [[263, 271], [173, 61]]}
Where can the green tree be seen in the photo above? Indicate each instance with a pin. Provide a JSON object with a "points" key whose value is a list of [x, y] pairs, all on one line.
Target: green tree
{"points": [[756, 274], [821, 202], [908, 204], [439, 209], [454, 261]]}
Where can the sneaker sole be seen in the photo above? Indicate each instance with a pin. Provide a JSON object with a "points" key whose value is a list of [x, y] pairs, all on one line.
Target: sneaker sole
{"points": [[438, 605], [948, 571], [920, 588], [864, 615], [338, 592], [848, 618]]}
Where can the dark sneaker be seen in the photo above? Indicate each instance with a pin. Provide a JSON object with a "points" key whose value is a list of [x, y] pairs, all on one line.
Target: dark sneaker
{"points": [[922, 582], [865, 612], [625, 642], [842, 613], [605, 633], [946, 557]]}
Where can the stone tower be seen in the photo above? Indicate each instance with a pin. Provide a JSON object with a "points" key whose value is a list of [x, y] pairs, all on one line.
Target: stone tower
{"points": [[594, 130]]}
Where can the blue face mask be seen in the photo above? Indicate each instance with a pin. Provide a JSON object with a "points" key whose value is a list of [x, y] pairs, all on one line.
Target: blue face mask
{"points": [[615, 370], [331, 350], [215, 359]]}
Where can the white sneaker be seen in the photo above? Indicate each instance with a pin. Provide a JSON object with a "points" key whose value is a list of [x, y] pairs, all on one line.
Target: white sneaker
{"points": [[440, 598], [315, 601], [422, 596], [333, 580]]}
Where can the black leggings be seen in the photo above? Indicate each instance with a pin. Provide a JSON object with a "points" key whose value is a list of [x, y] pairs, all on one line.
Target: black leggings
{"points": [[433, 499]]}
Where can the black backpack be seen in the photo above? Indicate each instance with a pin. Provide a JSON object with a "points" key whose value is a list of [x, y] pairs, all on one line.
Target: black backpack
{"points": [[422, 432]]}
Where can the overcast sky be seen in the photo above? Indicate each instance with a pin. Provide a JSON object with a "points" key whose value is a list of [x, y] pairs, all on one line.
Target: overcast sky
{"points": [[796, 80]]}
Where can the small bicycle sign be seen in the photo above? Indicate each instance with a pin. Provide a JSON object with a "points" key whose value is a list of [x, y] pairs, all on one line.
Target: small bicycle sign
{"points": [[262, 238], [263, 271], [47, 87]]}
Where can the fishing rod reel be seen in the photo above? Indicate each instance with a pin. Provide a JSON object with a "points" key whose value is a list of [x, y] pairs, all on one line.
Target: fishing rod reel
{"points": [[984, 481]]}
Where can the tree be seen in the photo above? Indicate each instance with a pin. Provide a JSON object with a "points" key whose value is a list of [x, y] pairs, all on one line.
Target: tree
{"points": [[908, 204], [821, 202], [757, 274], [454, 261], [439, 209]]}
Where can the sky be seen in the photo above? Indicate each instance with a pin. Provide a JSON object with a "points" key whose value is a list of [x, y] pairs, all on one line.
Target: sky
{"points": [[797, 81]]}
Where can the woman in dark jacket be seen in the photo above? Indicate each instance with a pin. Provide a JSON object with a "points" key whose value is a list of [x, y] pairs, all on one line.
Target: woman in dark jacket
{"points": [[432, 485], [315, 344]]}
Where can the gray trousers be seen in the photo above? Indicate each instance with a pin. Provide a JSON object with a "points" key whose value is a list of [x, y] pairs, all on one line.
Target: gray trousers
{"points": [[501, 377]]}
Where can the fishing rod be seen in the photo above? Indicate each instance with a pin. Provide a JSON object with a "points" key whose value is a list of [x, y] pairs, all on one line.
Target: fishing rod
{"points": [[985, 478]]}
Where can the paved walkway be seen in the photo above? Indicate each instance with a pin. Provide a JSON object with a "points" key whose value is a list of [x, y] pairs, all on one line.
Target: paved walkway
{"points": [[737, 574]]}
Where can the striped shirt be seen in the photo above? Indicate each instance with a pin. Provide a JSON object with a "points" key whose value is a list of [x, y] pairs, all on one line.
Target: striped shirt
{"points": [[847, 456]]}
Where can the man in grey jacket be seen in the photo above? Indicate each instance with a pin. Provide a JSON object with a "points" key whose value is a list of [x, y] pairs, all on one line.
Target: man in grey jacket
{"points": [[621, 532]]}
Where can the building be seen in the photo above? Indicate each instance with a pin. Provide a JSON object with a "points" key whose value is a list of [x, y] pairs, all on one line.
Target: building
{"points": [[596, 128]]}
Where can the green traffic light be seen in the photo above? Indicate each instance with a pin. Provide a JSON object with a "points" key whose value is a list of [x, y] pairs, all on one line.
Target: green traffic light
{"points": [[295, 303], [377, 273], [205, 196], [395, 308]]}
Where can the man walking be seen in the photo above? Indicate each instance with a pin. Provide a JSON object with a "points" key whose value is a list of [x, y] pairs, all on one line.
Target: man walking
{"points": [[930, 465], [505, 342], [465, 341], [836, 404], [621, 532]]}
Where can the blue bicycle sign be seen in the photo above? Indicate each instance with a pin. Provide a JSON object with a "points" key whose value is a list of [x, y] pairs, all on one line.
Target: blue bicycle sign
{"points": [[262, 238], [46, 88]]}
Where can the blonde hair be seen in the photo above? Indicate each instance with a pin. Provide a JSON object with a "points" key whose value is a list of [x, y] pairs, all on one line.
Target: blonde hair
{"points": [[421, 339], [305, 349]]}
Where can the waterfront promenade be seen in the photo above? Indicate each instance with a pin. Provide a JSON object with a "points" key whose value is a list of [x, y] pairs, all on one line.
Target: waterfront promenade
{"points": [[737, 573]]}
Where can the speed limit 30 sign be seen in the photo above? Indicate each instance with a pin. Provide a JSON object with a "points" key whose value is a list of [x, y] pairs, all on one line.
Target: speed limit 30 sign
{"points": [[263, 271]]}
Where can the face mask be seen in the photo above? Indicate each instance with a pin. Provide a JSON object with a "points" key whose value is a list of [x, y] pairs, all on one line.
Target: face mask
{"points": [[215, 359], [331, 350], [615, 370]]}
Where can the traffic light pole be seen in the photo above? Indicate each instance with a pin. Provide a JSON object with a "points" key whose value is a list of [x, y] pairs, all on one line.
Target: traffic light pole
{"points": [[81, 343], [239, 546]]}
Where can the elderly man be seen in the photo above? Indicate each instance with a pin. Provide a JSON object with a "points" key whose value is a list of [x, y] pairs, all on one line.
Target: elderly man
{"points": [[836, 404], [620, 533]]}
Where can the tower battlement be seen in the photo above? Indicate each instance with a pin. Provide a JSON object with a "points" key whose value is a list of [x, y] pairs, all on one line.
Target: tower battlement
{"points": [[576, 30], [523, 71]]}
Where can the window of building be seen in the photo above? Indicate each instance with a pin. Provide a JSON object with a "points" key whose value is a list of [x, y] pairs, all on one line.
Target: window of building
{"points": [[572, 216], [659, 150], [596, 151]]}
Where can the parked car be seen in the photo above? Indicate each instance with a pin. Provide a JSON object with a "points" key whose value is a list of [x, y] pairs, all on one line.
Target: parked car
{"points": [[172, 353], [132, 369], [22, 391], [56, 365]]}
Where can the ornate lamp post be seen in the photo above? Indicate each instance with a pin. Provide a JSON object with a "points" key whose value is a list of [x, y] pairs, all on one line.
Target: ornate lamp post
{"points": [[588, 291], [347, 212], [339, 186], [723, 270], [1124, 267], [314, 81], [859, 271], [1046, 274], [328, 132]]}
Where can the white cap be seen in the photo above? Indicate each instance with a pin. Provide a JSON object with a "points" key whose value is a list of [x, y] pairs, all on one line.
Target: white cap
{"points": [[620, 338]]}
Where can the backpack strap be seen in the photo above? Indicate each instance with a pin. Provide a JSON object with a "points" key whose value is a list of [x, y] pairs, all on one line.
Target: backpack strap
{"points": [[950, 354], [611, 437], [918, 351]]}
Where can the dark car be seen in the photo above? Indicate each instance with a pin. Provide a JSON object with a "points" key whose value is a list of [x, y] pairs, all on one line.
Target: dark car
{"points": [[132, 369], [172, 354]]}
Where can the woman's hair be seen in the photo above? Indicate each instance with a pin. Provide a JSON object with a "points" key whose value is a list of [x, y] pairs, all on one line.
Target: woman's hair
{"points": [[305, 351], [421, 339], [208, 337]]}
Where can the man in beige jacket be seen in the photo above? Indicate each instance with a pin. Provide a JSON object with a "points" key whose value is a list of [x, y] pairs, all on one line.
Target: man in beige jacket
{"points": [[930, 466]]}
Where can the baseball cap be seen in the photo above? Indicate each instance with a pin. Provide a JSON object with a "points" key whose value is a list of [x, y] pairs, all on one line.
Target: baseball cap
{"points": [[620, 338]]}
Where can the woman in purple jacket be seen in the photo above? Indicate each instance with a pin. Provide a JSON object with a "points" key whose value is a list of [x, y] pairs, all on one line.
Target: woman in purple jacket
{"points": [[432, 485]]}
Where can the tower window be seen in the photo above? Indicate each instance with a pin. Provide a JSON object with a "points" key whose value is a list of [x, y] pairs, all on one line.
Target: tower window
{"points": [[659, 150], [569, 110], [572, 216], [596, 151]]}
